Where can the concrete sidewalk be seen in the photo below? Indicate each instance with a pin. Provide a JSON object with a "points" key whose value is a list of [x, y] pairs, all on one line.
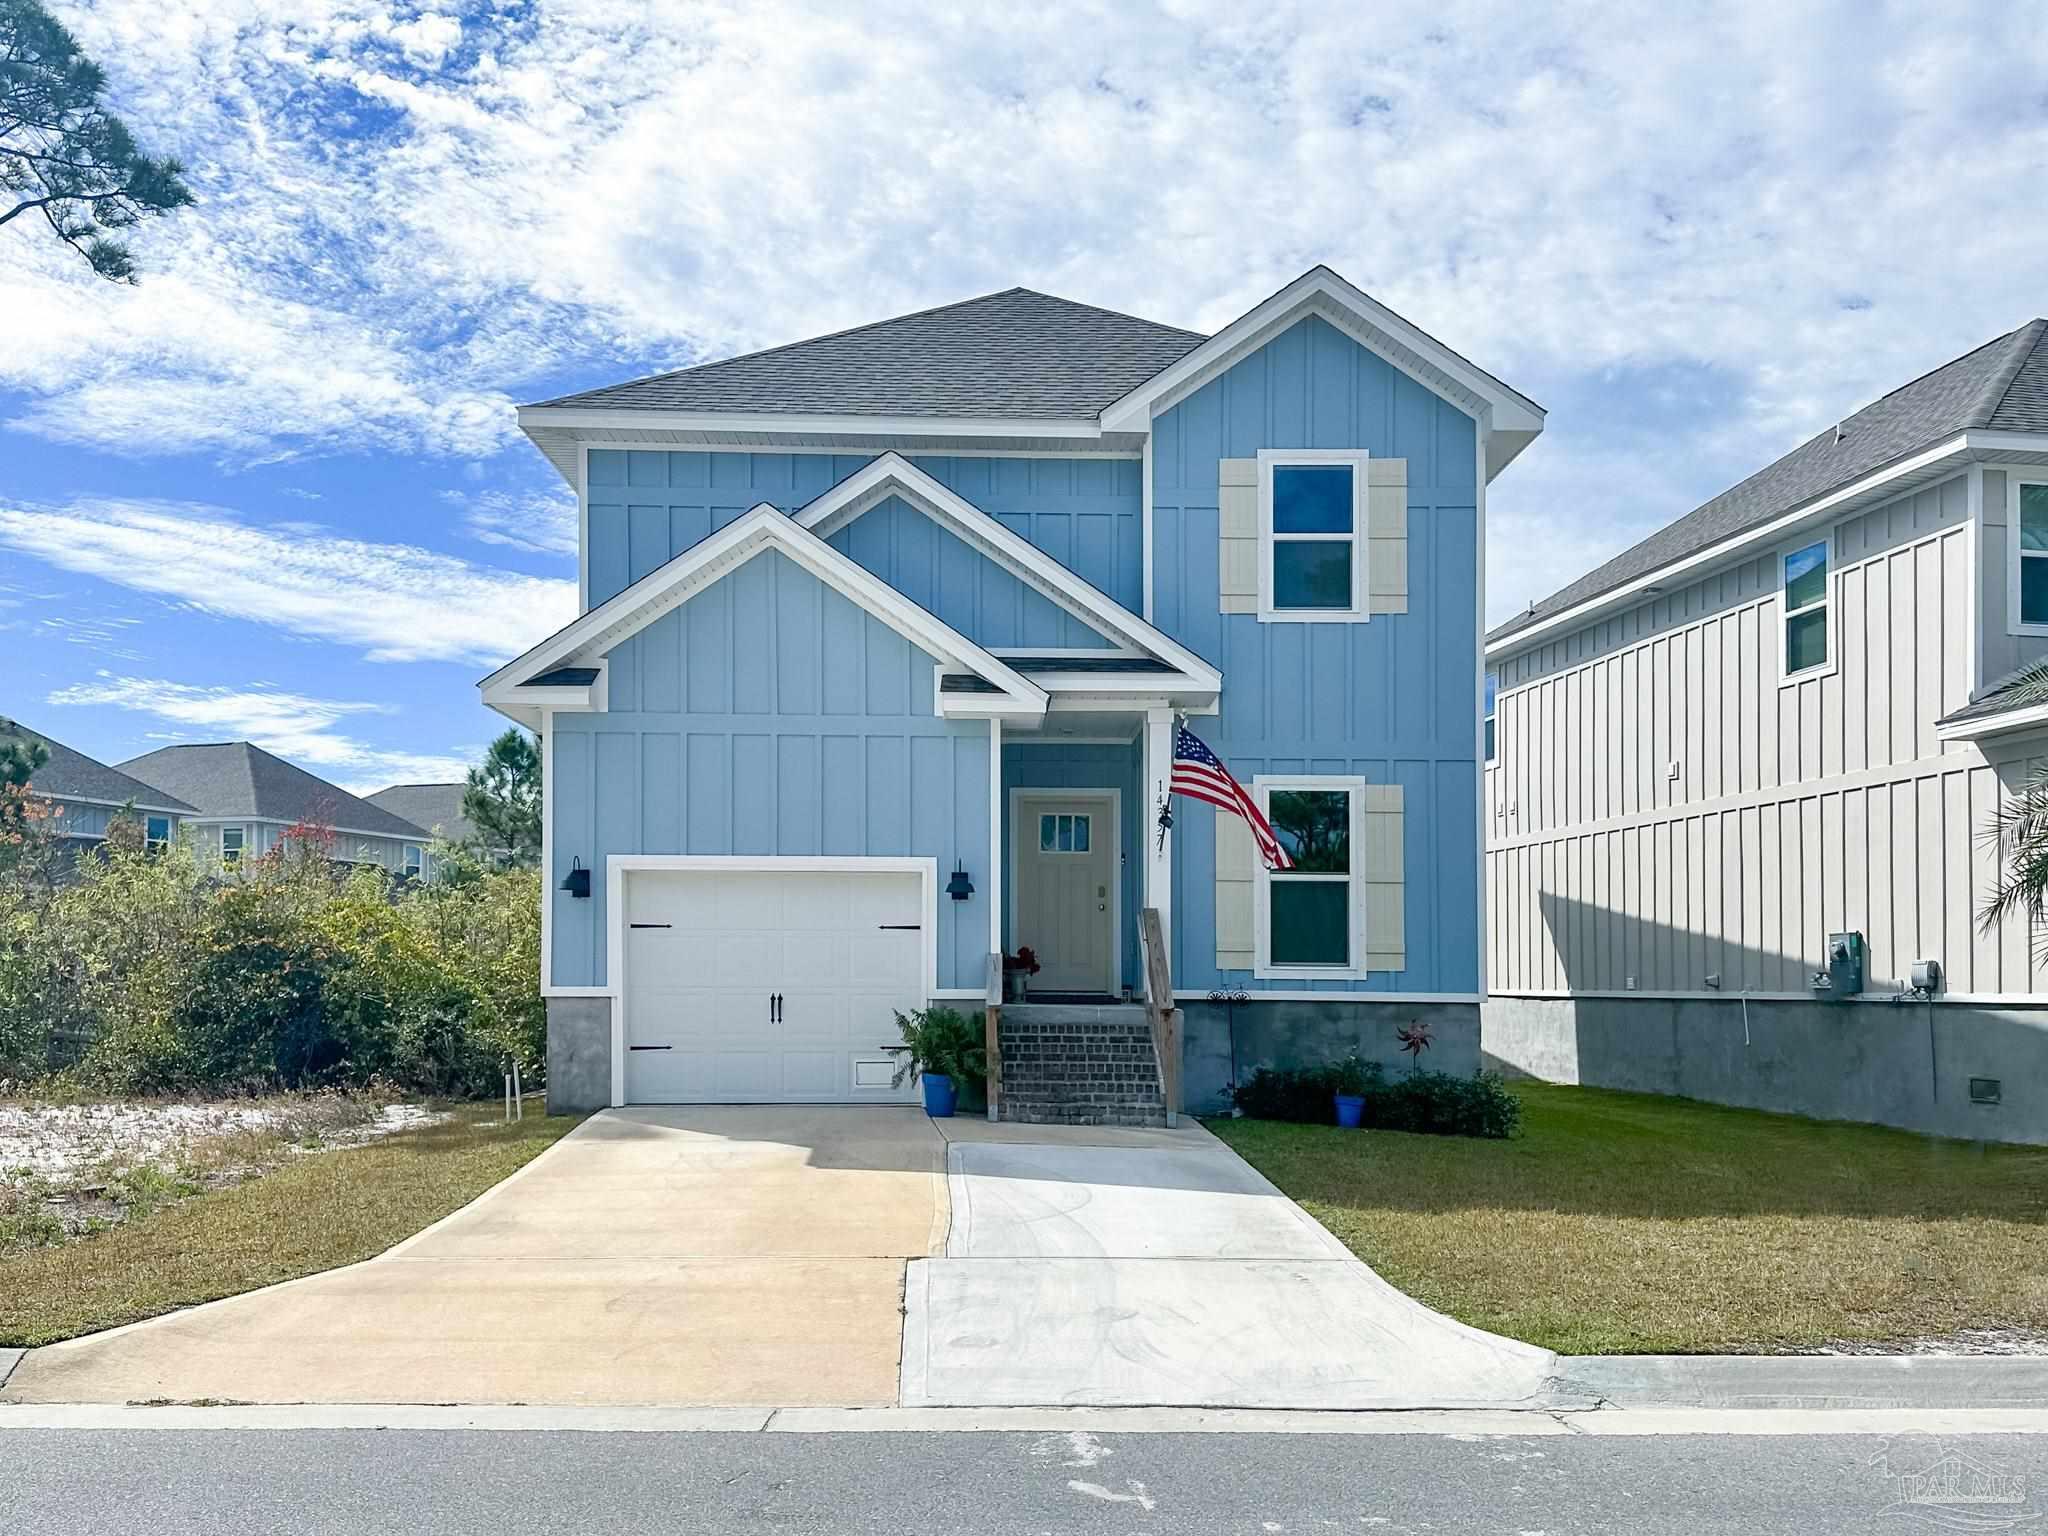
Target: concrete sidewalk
{"points": [[1091, 1265], [702, 1256]]}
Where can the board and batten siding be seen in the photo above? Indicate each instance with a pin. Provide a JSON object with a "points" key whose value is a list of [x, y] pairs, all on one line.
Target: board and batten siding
{"points": [[767, 715], [1662, 810], [646, 506], [1392, 699]]}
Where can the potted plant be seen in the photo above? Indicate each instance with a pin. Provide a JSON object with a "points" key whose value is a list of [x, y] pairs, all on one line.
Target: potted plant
{"points": [[1017, 969], [943, 1048], [1350, 1079]]}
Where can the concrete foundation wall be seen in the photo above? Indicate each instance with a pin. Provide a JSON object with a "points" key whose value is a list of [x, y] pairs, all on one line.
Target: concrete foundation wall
{"points": [[1218, 1049], [579, 1054], [1904, 1064]]}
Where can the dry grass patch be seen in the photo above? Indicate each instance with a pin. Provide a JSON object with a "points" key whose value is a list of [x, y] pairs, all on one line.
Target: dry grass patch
{"points": [[1629, 1223], [310, 1214]]}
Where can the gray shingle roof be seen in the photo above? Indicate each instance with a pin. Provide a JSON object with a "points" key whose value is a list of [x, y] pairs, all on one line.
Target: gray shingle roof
{"points": [[70, 774], [1017, 353], [2002, 385], [436, 807], [239, 778], [2016, 690], [563, 677]]}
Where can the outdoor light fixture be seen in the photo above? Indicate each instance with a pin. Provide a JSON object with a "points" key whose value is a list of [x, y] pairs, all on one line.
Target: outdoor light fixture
{"points": [[959, 887], [577, 881]]}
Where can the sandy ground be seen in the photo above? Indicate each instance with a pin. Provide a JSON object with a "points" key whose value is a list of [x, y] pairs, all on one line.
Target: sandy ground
{"points": [[54, 1141]]}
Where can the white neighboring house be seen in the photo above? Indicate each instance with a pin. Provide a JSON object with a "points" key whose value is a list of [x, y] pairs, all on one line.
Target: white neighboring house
{"points": [[245, 799], [88, 795]]}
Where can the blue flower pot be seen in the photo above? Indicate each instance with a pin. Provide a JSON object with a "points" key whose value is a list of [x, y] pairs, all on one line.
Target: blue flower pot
{"points": [[939, 1096], [1350, 1110]]}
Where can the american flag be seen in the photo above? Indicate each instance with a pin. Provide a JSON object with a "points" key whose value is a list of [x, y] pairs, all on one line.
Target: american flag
{"points": [[1199, 774]]}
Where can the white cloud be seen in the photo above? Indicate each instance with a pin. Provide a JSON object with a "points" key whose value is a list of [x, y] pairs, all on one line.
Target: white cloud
{"points": [[410, 216], [394, 602], [292, 725], [535, 523]]}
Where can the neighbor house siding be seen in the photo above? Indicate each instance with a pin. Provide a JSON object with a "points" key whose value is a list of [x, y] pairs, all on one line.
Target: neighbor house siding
{"points": [[1663, 811], [647, 506], [767, 715], [1393, 699], [2004, 651]]}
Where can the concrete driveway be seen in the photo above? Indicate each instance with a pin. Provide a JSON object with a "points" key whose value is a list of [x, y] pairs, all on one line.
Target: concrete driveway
{"points": [[1115, 1267], [715, 1256]]}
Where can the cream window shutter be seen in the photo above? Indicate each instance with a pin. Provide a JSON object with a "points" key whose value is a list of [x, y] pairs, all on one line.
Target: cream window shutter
{"points": [[1237, 553], [1386, 525], [1386, 947], [1234, 888]]}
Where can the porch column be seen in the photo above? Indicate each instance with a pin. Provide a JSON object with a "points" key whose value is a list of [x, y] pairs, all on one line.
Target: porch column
{"points": [[994, 883], [1157, 885]]}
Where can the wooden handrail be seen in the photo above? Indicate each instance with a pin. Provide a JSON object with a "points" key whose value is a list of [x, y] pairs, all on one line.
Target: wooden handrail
{"points": [[1160, 1014], [992, 1038]]}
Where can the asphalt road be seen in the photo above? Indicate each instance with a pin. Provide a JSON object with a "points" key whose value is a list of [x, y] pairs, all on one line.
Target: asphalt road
{"points": [[363, 1482]]}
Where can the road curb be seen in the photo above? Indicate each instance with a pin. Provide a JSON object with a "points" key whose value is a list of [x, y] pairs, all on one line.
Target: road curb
{"points": [[9, 1359], [1807, 1381]]}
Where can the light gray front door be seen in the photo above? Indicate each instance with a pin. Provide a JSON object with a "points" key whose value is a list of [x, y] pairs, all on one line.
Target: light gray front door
{"points": [[1065, 847]]}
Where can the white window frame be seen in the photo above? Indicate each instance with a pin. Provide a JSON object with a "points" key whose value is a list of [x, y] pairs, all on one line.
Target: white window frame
{"points": [[1360, 538], [1263, 967], [2015, 478], [150, 843], [1489, 717], [1830, 608], [412, 861], [241, 848]]}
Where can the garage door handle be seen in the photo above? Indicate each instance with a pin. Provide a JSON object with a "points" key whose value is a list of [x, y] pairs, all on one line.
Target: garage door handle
{"points": [[650, 925], [650, 1047], [899, 927]]}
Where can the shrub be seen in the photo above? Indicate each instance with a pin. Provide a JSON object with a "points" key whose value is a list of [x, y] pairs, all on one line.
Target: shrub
{"points": [[1439, 1104], [944, 1042], [1299, 1094]]}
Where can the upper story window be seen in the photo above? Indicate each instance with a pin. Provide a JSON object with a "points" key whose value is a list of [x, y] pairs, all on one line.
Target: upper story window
{"points": [[156, 832], [1312, 535], [231, 840], [1310, 919], [1492, 693], [1806, 607], [2028, 588]]}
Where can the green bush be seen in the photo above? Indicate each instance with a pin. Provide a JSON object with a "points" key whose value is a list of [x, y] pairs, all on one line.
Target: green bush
{"points": [[1430, 1103], [293, 973], [944, 1042]]}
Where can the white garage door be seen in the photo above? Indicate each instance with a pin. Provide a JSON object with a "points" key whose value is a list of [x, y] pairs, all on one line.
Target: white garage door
{"points": [[766, 987]]}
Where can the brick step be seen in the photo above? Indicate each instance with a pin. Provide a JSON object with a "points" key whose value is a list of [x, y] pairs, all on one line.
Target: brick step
{"points": [[1079, 1064]]}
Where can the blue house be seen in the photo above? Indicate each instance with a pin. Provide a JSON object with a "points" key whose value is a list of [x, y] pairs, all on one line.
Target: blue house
{"points": [[886, 637]]}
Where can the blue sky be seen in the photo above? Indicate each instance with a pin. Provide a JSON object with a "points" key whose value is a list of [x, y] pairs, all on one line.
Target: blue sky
{"points": [[276, 491]]}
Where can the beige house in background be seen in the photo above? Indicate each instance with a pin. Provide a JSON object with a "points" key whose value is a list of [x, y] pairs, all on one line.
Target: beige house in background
{"points": [[1782, 717]]}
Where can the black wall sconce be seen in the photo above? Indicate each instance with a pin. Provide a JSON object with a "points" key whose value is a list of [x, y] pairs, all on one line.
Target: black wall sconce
{"points": [[577, 881], [959, 887]]}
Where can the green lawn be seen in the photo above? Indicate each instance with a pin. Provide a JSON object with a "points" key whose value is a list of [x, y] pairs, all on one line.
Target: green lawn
{"points": [[311, 1214], [1628, 1223]]}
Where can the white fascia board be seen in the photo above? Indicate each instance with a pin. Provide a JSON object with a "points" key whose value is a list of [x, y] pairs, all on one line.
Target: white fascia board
{"points": [[763, 528], [1508, 409], [576, 418], [1735, 547], [1148, 683], [892, 474], [58, 797], [2032, 717]]}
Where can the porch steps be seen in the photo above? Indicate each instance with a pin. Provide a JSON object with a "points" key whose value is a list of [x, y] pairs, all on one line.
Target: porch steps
{"points": [[1079, 1064]]}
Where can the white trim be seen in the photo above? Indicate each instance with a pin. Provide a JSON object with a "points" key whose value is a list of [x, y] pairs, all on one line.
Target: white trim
{"points": [[1499, 408], [547, 856], [1077, 652], [58, 797], [1829, 665], [1114, 799], [2012, 721], [891, 474], [582, 528], [994, 881], [2016, 476], [1145, 528], [1263, 969], [1974, 601], [764, 528], [1360, 608], [220, 844], [1479, 786], [775, 423], [1355, 995], [619, 865], [1745, 545]]}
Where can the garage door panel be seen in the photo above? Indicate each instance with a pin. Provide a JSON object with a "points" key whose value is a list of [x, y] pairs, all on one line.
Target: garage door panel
{"points": [[844, 951]]}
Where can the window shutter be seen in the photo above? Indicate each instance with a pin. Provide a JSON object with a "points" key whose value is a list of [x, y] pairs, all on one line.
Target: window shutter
{"points": [[1234, 859], [1386, 946], [1386, 522], [1237, 553]]}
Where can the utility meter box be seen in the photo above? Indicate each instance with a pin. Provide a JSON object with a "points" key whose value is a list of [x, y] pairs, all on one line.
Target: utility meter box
{"points": [[1843, 977]]}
